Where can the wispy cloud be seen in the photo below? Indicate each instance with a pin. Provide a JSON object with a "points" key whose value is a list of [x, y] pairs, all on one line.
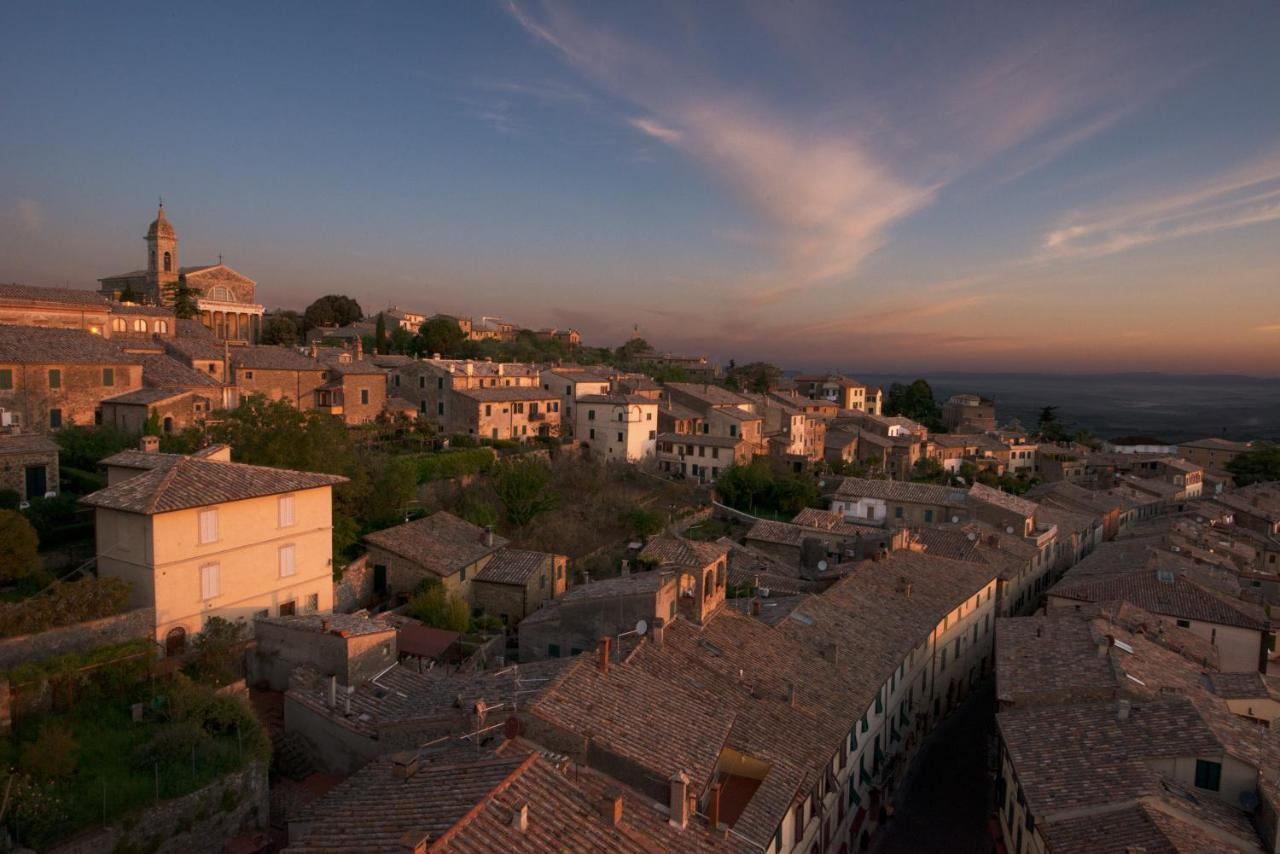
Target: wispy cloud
{"points": [[671, 136], [1245, 196], [1269, 327]]}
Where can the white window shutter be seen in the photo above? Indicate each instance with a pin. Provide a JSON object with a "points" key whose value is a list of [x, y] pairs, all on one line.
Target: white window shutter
{"points": [[210, 583], [287, 567], [209, 526], [286, 511]]}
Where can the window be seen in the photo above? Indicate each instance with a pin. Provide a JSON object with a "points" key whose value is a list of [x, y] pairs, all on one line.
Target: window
{"points": [[162, 326], [286, 561], [364, 396], [168, 262], [462, 574], [553, 650], [284, 508], [210, 581], [928, 515], [6, 378], [313, 605], [139, 325], [1184, 624], [108, 376], [55, 378], [897, 513], [592, 433], [208, 526], [488, 409], [591, 415], [288, 609], [619, 437], [55, 418], [1208, 775], [118, 324], [439, 382]]}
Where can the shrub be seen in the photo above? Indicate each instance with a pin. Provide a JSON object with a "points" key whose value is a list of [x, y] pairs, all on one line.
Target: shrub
{"points": [[441, 610], [52, 755], [19, 547], [10, 499], [64, 603], [454, 463], [217, 650]]}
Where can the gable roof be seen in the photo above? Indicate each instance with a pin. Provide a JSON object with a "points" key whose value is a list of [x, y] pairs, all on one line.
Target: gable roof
{"points": [[512, 566], [677, 551], [999, 498], [440, 543], [272, 358], [193, 482], [32, 345], [900, 490], [17, 294]]}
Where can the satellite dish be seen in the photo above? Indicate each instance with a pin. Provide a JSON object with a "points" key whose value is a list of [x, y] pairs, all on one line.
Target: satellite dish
{"points": [[955, 519], [822, 566], [822, 484], [641, 627], [972, 536], [1008, 529]]}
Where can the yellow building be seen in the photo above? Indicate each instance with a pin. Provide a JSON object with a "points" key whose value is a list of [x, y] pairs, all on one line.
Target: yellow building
{"points": [[200, 538]]}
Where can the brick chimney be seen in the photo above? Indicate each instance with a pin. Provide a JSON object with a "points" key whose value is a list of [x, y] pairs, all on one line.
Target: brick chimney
{"points": [[413, 842], [487, 538], [520, 817], [659, 631], [359, 349], [149, 444], [604, 654], [713, 806], [406, 765], [679, 800], [611, 806]]}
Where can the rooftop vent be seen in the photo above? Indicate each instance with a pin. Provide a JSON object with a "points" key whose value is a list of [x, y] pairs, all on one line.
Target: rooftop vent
{"points": [[520, 817]]}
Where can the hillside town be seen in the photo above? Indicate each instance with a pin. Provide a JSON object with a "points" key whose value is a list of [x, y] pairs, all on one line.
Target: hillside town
{"points": [[406, 581]]}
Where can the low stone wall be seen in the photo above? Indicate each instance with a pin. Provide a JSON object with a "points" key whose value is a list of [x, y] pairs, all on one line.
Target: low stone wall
{"points": [[355, 590], [724, 511], [198, 823], [29, 649]]}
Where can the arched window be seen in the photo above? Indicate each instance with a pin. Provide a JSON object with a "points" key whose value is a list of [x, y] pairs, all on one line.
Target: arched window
{"points": [[162, 326], [709, 587], [118, 324], [720, 575], [139, 325], [175, 642], [220, 293], [168, 424], [153, 259], [168, 262]]}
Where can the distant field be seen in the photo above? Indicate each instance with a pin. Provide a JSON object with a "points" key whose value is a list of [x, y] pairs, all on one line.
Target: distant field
{"points": [[1169, 406]]}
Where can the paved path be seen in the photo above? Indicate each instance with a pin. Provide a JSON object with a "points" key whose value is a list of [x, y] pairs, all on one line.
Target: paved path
{"points": [[945, 800]]}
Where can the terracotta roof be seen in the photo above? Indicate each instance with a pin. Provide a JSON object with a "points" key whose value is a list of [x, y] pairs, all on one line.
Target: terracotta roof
{"points": [[440, 543], [30, 345], [512, 566], [26, 443], [826, 520], [193, 482], [617, 399], [1239, 686], [268, 358], [711, 395], [498, 394], [951, 543], [142, 460], [73, 297], [147, 396], [334, 624], [899, 490], [168, 373], [677, 551], [701, 439], [1217, 444], [999, 498], [197, 346]]}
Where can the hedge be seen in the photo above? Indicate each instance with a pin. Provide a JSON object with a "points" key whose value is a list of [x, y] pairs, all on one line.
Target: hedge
{"points": [[447, 464], [65, 603]]}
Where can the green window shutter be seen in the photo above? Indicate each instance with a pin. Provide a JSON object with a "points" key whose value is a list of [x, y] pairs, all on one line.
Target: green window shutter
{"points": [[6, 378], [879, 705]]}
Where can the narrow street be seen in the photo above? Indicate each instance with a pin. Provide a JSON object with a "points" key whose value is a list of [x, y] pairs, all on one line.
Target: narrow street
{"points": [[945, 800]]}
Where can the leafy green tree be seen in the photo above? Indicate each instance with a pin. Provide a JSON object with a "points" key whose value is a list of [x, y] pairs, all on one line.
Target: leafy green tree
{"points": [[331, 310], [52, 755], [380, 334], [746, 487], [395, 484], [1258, 465], [182, 297], [1051, 429], [523, 486], [152, 425], [791, 492], [19, 547], [646, 523], [929, 471], [217, 650], [915, 401], [756, 377], [83, 447], [279, 329], [441, 335], [440, 610], [401, 341]]}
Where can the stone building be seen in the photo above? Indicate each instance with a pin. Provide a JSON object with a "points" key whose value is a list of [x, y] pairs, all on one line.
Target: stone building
{"points": [[28, 465], [348, 648], [278, 373], [175, 409], [972, 412], [440, 546], [50, 378], [227, 300], [516, 583]]}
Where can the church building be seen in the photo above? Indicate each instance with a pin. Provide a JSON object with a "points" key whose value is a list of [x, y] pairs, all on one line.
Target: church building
{"points": [[226, 299]]}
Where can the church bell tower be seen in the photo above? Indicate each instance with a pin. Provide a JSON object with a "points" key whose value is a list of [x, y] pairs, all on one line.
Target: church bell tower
{"points": [[162, 257]]}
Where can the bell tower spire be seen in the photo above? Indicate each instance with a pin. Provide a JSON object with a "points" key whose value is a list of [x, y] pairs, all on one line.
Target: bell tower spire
{"points": [[162, 256]]}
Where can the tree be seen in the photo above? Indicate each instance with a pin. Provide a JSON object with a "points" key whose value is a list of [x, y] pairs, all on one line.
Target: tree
{"points": [[915, 401], [441, 335], [928, 471], [440, 610], [1051, 429], [19, 547], [1259, 465], [645, 523], [758, 377], [152, 425], [183, 298], [52, 755], [331, 310], [217, 650], [279, 329], [380, 334], [523, 487], [636, 349]]}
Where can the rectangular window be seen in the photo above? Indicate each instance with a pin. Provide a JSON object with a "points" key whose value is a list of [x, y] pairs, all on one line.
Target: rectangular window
{"points": [[208, 526], [248, 375], [6, 378], [288, 609], [592, 433], [1208, 775], [313, 602], [284, 507], [1184, 624], [364, 396], [287, 565], [619, 437], [55, 378], [488, 409], [897, 512], [108, 376], [439, 382], [210, 580], [928, 515], [553, 650], [591, 415], [55, 418]]}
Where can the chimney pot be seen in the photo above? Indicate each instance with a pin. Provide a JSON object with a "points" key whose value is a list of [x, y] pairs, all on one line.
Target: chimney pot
{"points": [[333, 692], [488, 535], [520, 817], [659, 630], [793, 696], [150, 444], [605, 642], [611, 806], [713, 807], [406, 765], [680, 800], [1123, 709]]}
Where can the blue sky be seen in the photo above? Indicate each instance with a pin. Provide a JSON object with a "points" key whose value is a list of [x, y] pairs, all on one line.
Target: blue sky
{"points": [[863, 186]]}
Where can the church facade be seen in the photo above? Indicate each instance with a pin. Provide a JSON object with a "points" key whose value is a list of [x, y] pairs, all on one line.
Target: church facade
{"points": [[226, 300]]}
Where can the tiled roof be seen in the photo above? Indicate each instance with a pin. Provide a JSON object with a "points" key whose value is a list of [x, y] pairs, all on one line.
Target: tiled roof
{"points": [[498, 394], [711, 395], [899, 490], [193, 482], [1066, 520], [771, 531], [1148, 825], [677, 551], [15, 293], [196, 346], [951, 543], [167, 372], [1000, 498], [827, 520], [512, 566], [1258, 500], [1239, 686], [838, 439], [440, 543], [748, 566], [32, 345], [346, 625], [146, 396], [617, 399], [701, 439], [144, 460], [267, 358], [1217, 444], [603, 590], [27, 443]]}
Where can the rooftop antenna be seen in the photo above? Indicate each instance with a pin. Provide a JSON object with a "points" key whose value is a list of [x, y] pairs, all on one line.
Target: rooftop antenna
{"points": [[219, 257]]}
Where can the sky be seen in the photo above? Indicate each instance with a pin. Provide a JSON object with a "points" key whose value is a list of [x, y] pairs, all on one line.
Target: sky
{"points": [[846, 186]]}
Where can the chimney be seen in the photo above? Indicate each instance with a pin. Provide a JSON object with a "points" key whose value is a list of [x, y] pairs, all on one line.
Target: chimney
{"points": [[359, 349], [488, 535], [755, 606], [625, 567], [904, 586], [831, 652], [150, 444], [413, 842], [520, 817], [679, 800], [604, 654], [793, 696], [713, 806], [406, 765], [611, 806], [1123, 709], [332, 696], [659, 630], [315, 349]]}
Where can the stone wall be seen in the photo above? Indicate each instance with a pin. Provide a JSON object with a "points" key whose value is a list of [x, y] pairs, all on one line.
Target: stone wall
{"points": [[27, 649], [79, 391], [13, 471], [355, 590], [198, 823]]}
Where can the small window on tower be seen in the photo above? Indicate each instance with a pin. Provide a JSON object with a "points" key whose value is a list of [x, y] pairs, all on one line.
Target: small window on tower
{"points": [[168, 262]]}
